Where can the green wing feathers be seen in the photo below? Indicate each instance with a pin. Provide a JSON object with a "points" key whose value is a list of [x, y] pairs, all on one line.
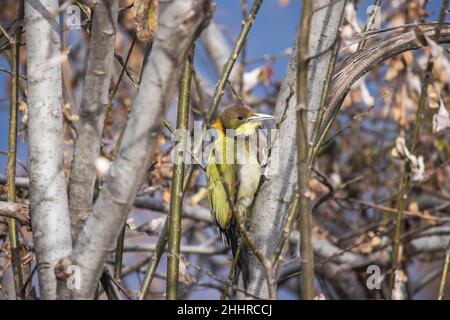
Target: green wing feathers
{"points": [[219, 203]]}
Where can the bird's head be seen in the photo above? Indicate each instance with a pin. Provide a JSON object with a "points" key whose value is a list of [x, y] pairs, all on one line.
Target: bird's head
{"points": [[241, 119]]}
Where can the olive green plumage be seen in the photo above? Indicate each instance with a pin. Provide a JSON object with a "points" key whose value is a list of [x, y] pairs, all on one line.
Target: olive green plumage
{"points": [[232, 184]]}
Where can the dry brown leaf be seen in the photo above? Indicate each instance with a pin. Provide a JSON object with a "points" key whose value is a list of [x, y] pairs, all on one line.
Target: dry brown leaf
{"points": [[408, 58], [166, 195], [23, 109], [395, 66], [68, 114], [146, 19], [375, 241], [433, 97], [414, 207]]}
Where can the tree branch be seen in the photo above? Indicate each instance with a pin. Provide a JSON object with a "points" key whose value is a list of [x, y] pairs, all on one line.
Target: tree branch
{"points": [[48, 196], [177, 194], [182, 22], [274, 197], [18, 211], [228, 67], [302, 141], [92, 113], [12, 155]]}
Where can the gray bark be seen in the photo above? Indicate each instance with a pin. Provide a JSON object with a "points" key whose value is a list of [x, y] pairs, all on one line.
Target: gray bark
{"points": [[201, 249], [21, 182], [180, 23], [324, 30], [195, 212], [17, 211], [273, 199], [48, 196], [93, 104], [432, 240]]}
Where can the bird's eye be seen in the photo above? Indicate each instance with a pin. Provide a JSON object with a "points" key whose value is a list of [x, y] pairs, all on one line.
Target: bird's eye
{"points": [[240, 118]]}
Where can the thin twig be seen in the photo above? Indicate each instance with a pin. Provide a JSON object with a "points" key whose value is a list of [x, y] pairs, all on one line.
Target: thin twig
{"points": [[442, 15], [119, 80], [228, 67], [277, 257], [119, 255], [176, 195], [5, 33], [232, 273], [150, 273], [10, 73], [370, 22], [162, 240], [12, 155], [323, 98], [407, 176], [187, 149], [244, 51], [303, 172], [115, 149], [444, 273]]}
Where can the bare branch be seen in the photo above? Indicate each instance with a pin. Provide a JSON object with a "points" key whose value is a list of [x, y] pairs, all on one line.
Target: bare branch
{"points": [[273, 200], [48, 197], [93, 104], [183, 21], [17, 211]]}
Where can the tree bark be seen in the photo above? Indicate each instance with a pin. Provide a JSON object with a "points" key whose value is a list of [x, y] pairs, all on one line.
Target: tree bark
{"points": [[48, 193], [17, 211], [92, 113], [181, 22], [273, 199], [324, 32]]}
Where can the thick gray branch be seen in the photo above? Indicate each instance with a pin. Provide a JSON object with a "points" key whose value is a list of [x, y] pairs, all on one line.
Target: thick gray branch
{"points": [[432, 240], [275, 195], [380, 49], [272, 202], [195, 212], [324, 33], [21, 182], [202, 249], [93, 104], [179, 23], [48, 193]]}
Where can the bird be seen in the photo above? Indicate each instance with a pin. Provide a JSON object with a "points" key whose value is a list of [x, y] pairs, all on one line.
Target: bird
{"points": [[232, 175]]}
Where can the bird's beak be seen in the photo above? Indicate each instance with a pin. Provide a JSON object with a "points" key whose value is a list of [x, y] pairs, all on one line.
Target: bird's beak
{"points": [[258, 117]]}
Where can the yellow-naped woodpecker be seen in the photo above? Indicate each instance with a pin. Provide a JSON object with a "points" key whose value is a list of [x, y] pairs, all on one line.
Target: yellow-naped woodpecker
{"points": [[233, 174]]}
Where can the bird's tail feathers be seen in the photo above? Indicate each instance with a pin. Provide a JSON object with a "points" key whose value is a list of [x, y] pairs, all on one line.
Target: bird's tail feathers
{"points": [[233, 235]]}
